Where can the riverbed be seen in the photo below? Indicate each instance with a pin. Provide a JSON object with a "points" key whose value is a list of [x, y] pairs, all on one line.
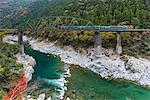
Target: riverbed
{"points": [[47, 74], [83, 84]]}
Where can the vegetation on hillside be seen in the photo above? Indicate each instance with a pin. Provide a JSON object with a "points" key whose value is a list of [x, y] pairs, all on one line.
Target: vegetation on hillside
{"points": [[133, 13], [100, 12], [9, 69]]}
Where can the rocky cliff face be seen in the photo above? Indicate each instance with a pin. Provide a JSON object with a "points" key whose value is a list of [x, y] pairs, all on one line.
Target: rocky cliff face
{"points": [[28, 64]]}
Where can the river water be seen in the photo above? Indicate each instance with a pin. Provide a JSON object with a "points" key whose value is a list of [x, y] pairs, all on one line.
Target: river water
{"points": [[82, 85]]}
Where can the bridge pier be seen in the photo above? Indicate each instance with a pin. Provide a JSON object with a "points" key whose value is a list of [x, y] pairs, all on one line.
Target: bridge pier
{"points": [[98, 44], [119, 46], [20, 41]]}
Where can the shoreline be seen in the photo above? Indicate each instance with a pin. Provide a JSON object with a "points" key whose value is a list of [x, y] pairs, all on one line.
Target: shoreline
{"points": [[28, 63], [135, 70]]}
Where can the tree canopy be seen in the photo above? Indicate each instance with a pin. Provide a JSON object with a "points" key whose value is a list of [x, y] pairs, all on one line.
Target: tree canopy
{"points": [[133, 13], [9, 69], [100, 12]]}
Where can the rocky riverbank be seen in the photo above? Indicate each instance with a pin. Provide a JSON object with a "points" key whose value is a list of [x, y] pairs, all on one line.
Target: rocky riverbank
{"points": [[27, 61], [134, 69], [28, 64]]}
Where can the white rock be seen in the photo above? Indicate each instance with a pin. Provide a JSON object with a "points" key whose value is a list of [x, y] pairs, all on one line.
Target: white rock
{"points": [[135, 69], [12, 39], [28, 64], [41, 97], [111, 66], [68, 98], [49, 98]]}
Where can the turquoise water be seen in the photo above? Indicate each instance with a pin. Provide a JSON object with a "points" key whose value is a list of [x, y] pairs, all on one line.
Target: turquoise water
{"points": [[48, 70], [47, 66], [83, 84]]}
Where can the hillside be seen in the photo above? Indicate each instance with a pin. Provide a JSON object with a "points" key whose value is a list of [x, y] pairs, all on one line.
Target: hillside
{"points": [[100, 12], [134, 13], [9, 69]]}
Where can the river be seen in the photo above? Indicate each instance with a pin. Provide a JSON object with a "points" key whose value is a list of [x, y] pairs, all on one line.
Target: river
{"points": [[82, 85]]}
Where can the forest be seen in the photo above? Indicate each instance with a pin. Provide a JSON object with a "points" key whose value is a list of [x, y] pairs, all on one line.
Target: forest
{"points": [[100, 12], [133, 13], [9, 69]]}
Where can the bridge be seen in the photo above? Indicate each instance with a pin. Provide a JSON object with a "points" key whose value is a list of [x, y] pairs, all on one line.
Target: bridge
{"points": [[62, 23]]}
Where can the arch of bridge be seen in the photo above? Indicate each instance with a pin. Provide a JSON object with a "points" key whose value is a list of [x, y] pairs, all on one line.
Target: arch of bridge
{"points": [[54, 22]]}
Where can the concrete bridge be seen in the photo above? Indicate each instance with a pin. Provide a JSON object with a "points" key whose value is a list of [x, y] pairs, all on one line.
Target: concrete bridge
{"points": [[62, 23], [97, 35]]}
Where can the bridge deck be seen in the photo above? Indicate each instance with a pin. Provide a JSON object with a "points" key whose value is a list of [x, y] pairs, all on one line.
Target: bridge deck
{"points": [[104, 28], [96, 28]]}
